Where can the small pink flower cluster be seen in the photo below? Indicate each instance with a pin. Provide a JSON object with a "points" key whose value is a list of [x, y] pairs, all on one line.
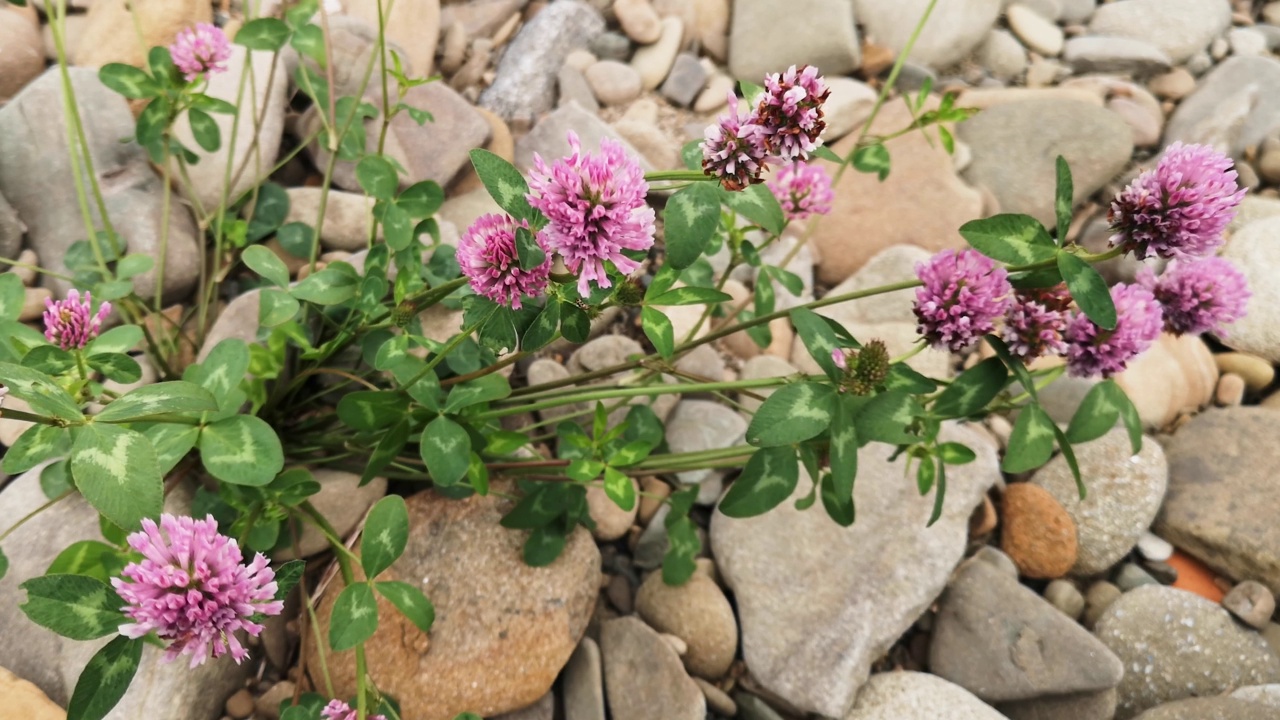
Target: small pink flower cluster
{"points": [[596, 210], [1181, 208], [338, 710], [803, 189], [71, 323], [201, 50], [193, 589], [786, 124], [1177, 210]]}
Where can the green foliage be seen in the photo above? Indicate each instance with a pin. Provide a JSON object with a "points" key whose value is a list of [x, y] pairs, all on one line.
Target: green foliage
{"points": [[105, 679], [78, 607]]}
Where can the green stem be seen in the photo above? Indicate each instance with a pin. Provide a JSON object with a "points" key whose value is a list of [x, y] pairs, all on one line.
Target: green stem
{"points": [[34, 513], [676, 175], [11, 414], [620, 392]]}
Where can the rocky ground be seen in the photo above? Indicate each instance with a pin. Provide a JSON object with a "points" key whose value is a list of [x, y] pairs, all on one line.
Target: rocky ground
{"points": [[1152, 598]]}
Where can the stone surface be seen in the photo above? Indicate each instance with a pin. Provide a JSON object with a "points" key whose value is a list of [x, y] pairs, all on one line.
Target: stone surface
{"points": [[1064, 596], [1114, 55], [1095, 142], [22, 700], [52, 663], [766, 36], [697, 425], [254, 154], [347, 216], [1175, 645], [917, 696], [435, 150], [653, 62], [1124, 494], [613, 82], [414, 26], [1254, 251], [1176, 376], [491, 657], [23, 57], [1257, 373], [583, 683], [1216, 708], [923, 176], [1002, 55], [1262, 694], [11, 230], [125, 30], [1251, 602], [696, 612], [686, 80], [342, 501], [643, 675], [638, 20], [1079, 706], [953, 31], [1178, 27], [863, 585], [1002, 642], [524, 86], [1038, 32], [847, 107], [1234, 106], [1221, 503], [35, 177], [1038, 532], [549, 137]]}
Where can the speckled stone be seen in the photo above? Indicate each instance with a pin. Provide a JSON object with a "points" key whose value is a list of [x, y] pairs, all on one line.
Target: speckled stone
{"points": [[1175, 645], [916, 696], [1214, 708], [1124, 492], [490, 657]]}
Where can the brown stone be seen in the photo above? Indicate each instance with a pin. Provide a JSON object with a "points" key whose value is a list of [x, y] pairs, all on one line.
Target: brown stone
{"points": [[698, 613], [110, 34], [1038, 533], [1175, 376], [503, 629], [869, 215], [24, 701]]}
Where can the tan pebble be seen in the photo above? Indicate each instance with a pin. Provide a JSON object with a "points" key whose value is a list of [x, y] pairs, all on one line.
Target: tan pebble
{"points": [[1173, 85], [639, 20], [268, 704], [716, 698], [713, 98], [680, 646], [653, 493], [292, 262], [580, 60], [1038, 533], [33, 303], [505, 32], [240, 705], [620, 593], [1257, 373], [699, 614], [984, 518], [1230, 390], [27, 261], [336, 256], [706, 567], [454, 49]]}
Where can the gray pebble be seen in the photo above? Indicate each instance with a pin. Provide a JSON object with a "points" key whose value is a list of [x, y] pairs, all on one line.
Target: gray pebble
{"points": [[1252, 602], [1131, 576], [1064, 595]]}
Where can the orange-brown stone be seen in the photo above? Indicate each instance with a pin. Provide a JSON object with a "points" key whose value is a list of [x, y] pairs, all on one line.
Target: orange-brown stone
{"points": [[503, 630], [1038, 534]]}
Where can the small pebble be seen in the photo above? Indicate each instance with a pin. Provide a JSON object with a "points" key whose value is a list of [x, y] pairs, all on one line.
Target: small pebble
{"points": [[717, 700], [1097, 599], [1230, 390], [33, 303], [996, 558], [653, 492], [1154, 548], [1064, 595], [621, 594], [1257, 373], [676, 643], [1173, 85], [1163, 572], [268, 703], [1252, 602], [580, 59], [26, 271], [1131, 576], [984, 518], [240, 705]]}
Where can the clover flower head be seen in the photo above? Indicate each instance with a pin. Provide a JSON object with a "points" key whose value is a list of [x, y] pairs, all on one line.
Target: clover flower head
{"points": [[963, 294], [488, 257], [201, 50], [790, 111], [1178, 209], [1093, 350], [338, 710], [595, 203], [193, 589], [803, 189], [733, 149], [840, 357], [71, 323], [1199, 296], [1034, 325]]}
